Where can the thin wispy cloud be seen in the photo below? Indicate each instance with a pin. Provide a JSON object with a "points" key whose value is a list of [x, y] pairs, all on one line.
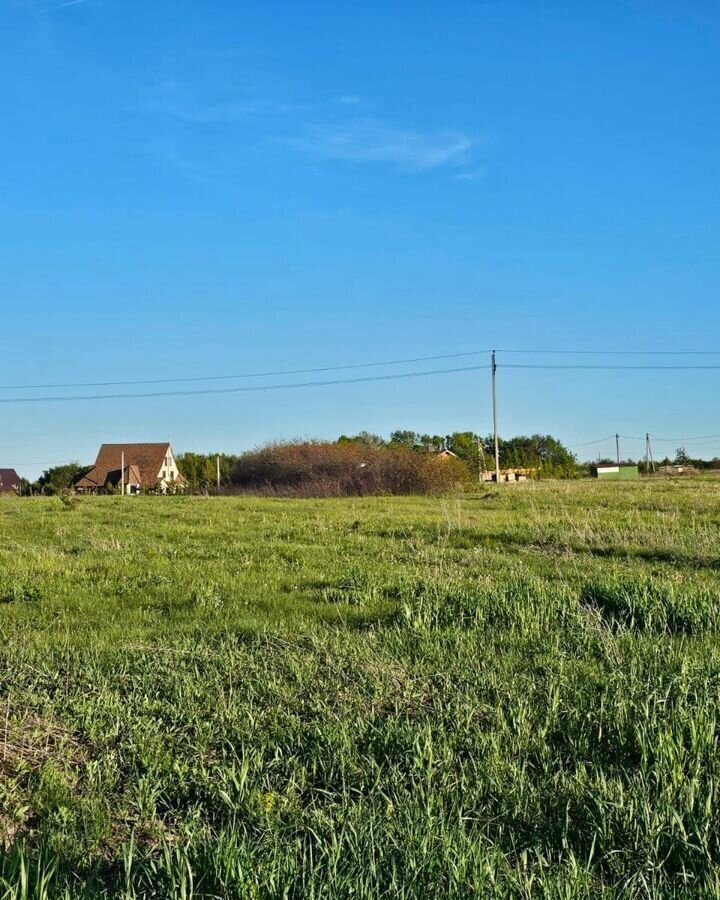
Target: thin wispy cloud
{"points": [[67, 3], [377, 142], [336, 129], [182, 101]]}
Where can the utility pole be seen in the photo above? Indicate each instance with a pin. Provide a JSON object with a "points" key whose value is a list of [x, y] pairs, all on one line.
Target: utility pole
{"points": [[122, 474], [481, 460], [617, 447], [217, 464], [495, 429], [649, 461]]}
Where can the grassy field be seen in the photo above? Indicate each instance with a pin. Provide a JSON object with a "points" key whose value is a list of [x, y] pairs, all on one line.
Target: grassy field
{"points": [[515, 694]]}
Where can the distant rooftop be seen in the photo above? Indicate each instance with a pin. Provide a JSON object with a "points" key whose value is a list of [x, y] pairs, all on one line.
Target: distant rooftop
{"points": [[9, 480]]}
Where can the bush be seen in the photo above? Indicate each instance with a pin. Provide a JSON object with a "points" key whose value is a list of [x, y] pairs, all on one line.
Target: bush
{"points": [[59, 478], [316, 469]]}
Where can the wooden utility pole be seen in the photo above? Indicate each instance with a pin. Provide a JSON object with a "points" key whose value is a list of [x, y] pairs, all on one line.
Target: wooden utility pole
{"points": [[617, 447], [495, 428], [217, 465], [122, 474]]}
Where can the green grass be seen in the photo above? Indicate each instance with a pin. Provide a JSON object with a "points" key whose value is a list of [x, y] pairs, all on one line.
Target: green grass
{"points": [[515, 694]]}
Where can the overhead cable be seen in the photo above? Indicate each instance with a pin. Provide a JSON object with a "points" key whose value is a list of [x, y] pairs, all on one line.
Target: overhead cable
{"points": [[610, 437], [237, 390], [603, 367], [276, 374], [187, 379], [617, 352]]}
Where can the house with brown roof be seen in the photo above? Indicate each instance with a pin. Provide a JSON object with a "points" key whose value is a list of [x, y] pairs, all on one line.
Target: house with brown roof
{"points": [[9, 481], [132, 467]]}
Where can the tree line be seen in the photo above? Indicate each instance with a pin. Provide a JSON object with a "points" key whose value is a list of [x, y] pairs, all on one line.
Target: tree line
{"points": [[366, 463], [405, 462]]}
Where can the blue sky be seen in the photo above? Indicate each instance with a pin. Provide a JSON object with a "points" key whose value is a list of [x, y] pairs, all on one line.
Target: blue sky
{"points": [[194, 189]]}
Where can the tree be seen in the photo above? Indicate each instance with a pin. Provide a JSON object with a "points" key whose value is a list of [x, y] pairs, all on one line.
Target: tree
{"points": [[682, 458], [26, 488], [200, 469], [59, 478], [538, 451], [432, 443], [464, 444], [364, 438], [411, 440]]}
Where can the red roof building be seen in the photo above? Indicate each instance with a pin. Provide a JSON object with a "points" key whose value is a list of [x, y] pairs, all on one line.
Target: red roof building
{"points": [[9, 481], [133, 466]]}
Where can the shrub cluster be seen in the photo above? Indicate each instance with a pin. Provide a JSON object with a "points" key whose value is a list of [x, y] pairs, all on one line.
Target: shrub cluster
{"points": [[317, 469]]}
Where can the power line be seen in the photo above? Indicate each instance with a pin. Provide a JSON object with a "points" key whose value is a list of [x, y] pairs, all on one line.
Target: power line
{"points": [[619, 352], [603, 367], [238, 390], [278, 374], [610, 437], [394, 362], [603, 440], [53, 462], [706, 437]]}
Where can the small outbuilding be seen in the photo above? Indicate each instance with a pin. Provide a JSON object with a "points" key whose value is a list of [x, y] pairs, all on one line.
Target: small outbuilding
{"points": [[678, 470], [615, 471]]}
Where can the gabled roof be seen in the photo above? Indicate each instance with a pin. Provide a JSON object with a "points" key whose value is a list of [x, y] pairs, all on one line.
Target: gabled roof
{"points": [[142, 464], [93, 478], [9, 479], [132, 475], [87, 480]]}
